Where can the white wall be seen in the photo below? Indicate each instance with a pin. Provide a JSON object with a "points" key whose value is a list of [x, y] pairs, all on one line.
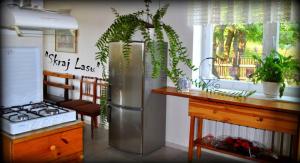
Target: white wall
{"points": [[10, 39], [177, 119], [94, 18]]}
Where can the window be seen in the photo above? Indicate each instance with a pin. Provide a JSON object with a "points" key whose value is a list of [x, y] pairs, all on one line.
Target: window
{"points": [[289, 36], [257, 39], [230, 32]]}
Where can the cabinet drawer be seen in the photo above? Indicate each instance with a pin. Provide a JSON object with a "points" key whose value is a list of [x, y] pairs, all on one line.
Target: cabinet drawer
{"points": [[49, 147], [246, 116], [73, 158]]}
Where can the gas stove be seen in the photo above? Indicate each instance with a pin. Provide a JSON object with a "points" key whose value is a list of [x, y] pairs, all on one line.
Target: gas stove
{"points": [[33, 116]]}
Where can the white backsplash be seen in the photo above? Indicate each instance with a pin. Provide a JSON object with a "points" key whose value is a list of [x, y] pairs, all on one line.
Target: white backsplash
{"points": [[21, 80]]}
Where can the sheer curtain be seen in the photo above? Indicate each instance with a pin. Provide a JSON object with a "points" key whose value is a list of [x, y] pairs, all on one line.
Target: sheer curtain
{"points": [[242, 11]]}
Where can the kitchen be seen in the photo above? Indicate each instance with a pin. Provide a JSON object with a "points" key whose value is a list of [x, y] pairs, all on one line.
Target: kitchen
{"points": [[91, 20]]}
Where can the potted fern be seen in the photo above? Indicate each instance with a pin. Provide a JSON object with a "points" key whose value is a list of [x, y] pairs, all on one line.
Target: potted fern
{"points": [[274, 71]]}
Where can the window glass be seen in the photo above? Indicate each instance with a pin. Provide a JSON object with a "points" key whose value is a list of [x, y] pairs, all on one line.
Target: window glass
{"points": [[289, 36], [289, 39], [233, 46]]}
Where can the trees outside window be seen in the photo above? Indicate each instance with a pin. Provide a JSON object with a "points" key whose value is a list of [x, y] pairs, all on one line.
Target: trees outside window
{"points": [[233, 46], [289, 36]]}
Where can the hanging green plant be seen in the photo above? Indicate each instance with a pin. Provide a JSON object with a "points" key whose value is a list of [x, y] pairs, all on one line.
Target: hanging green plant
{"points": [[125, 26], [103, 110]]}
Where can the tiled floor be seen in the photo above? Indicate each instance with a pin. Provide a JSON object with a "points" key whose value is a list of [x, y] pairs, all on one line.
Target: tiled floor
{"points": [[98, 150]]}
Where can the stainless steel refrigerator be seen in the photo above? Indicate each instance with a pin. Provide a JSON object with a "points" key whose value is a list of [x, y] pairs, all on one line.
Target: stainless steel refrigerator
{"points": [[137, 117]]}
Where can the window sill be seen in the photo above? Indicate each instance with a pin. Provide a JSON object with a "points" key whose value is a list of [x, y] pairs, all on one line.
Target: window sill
{"points": [[290, 93], [283, 98]]}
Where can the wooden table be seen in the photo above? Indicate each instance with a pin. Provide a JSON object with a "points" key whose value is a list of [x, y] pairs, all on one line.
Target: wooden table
{"points": [[264, 114]]}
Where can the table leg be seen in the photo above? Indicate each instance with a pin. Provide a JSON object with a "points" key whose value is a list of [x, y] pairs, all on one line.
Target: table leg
{"points": [[296, 146], [191, 141], [199, 137]]}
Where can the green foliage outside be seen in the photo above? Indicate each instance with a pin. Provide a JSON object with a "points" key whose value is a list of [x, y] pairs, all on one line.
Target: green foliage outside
{"points": [[251, 33], [289, 37], [233, 42]]}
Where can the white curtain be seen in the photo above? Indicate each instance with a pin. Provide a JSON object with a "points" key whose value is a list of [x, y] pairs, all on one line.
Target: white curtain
{"points": [[242, 11]]}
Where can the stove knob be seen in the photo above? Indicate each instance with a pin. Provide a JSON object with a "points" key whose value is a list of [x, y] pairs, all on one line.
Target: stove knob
{"points": [[52, 147]]}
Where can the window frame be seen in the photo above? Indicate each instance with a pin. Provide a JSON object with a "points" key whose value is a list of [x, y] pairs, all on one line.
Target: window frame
{"points": [[202, 48]]}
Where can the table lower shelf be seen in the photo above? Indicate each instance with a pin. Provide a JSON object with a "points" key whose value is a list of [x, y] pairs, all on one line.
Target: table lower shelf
{"points": [[281, 159]]}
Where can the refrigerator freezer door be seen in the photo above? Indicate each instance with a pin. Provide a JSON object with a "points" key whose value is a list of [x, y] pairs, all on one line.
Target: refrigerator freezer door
{"points": [[125, 131], [126, 78]]}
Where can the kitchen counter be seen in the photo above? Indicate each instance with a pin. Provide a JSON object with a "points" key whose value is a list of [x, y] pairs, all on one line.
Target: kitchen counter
{"points": [[60, 143], [49, 130]]}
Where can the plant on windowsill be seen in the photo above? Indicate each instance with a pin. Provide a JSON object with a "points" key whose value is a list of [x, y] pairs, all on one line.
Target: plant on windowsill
{"points": [[274, 71]]}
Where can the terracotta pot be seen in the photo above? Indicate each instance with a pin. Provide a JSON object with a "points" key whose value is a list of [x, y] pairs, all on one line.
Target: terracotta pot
{"points": [[271, 89]]}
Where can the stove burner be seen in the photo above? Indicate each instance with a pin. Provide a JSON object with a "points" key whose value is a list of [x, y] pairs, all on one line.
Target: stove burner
{"points": [[48, 111], [37, 106], [10, 116], [52, 111], [23, 117], [5, 111], [18, 117]]}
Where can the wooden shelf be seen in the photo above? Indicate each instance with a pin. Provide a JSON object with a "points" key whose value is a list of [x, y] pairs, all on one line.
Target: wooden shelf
{"points": [[282, 159]]}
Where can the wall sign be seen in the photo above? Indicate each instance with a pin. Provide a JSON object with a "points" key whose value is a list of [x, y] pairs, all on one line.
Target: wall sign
{"points": [[66, 41], [68, 63]]}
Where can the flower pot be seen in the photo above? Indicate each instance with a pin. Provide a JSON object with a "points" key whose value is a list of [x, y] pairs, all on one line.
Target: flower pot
{"points": [[271, 89]]}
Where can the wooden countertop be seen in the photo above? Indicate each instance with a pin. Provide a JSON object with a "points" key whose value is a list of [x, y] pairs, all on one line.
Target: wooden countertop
{"points": [[282, 106]]}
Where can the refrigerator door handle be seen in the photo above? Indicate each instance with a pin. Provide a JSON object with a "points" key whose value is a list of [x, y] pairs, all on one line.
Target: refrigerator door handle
{"points": [[109, 92], [109, 113], [125, 107]]}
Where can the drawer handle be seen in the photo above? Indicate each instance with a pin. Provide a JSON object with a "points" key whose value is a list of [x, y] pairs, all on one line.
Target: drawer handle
{"points": [[52, 147], [260, 119], [65, 140]]}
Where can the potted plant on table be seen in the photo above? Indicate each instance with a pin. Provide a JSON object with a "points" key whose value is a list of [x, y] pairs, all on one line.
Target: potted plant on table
{"points": [[274, 71]]}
